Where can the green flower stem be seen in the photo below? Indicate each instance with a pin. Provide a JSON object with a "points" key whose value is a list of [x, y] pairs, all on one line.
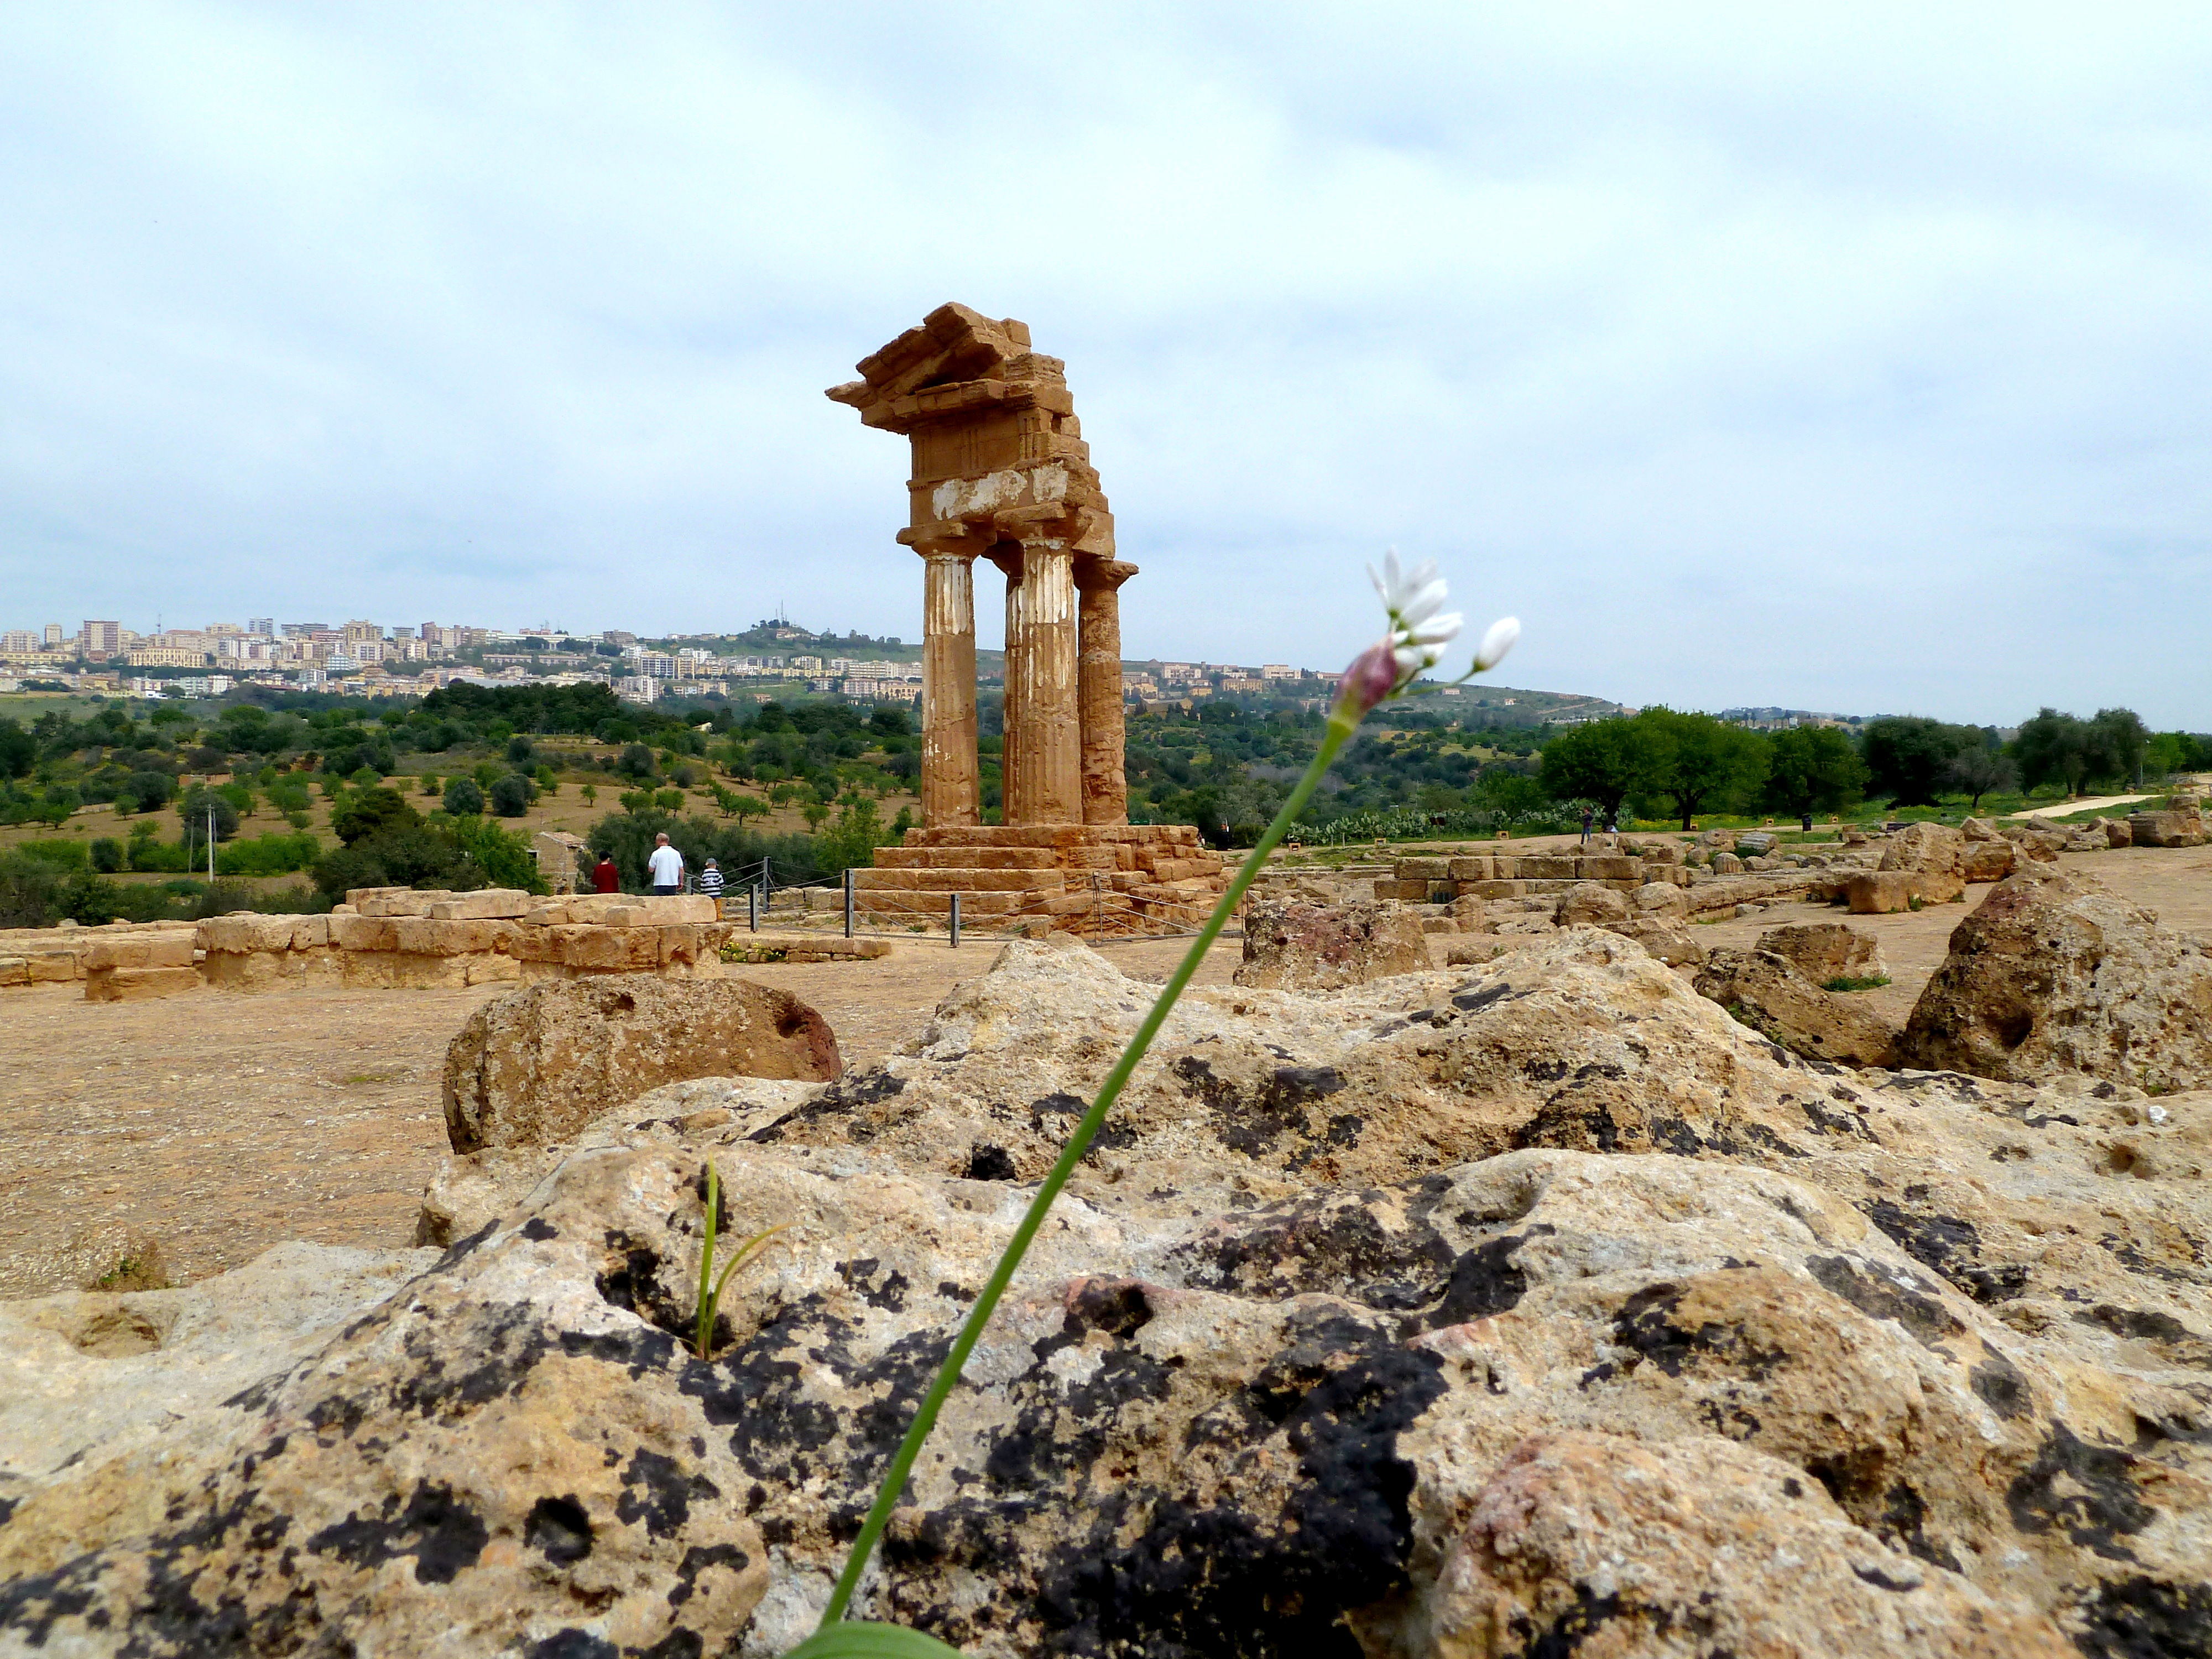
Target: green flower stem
{"points": [[1341, 726]]}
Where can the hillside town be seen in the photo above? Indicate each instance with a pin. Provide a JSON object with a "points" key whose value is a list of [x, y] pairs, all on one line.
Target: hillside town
{"points": [[362, 658]]}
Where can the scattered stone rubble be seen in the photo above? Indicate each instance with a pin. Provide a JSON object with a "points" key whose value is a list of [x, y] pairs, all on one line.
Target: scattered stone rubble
{"points": [[1528, 1309]]}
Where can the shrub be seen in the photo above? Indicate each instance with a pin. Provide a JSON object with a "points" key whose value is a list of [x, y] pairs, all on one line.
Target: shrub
{"points": [[149, 792], [1856, 982], [636, 761], [519, 751], [464, 799], [108, 855], [510, 796], [268, 855], [61, 855]]}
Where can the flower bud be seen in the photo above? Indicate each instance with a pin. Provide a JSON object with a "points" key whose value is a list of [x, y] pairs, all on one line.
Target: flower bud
{"points": [[1369, 681], [1497, 642]]}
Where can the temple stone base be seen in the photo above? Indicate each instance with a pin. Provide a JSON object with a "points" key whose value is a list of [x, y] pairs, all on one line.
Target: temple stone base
{"points": [[1101, 879]]}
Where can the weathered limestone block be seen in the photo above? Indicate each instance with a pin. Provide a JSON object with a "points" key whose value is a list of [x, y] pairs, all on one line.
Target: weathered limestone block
{"points": [[1421, 869], [1880, 892], [489, 903], [1823, 951], [1661, 898], [253, 971], [1932, 848], [1548, 867], [138, 984], [1769, 994], [531, 1068], [1480, 867], [54, 967], [398, 971], [2165, 829], [1990, 859], [1590, 904], [2052, 975], [170, 949], [1664, 937], [1727, 864], [650, 910], [2116, 832], [609, 950], [395, 900], [14, 970], [1291, 945], [1610, 867], [1410, 892], [362, 932], [431, 937]]}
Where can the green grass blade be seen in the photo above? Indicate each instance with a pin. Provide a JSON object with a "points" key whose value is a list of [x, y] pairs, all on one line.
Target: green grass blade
{"points": [[858, 1639]]}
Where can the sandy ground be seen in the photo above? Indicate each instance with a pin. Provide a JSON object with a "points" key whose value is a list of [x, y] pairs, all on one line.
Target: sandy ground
{"points": [[221, 1125]]}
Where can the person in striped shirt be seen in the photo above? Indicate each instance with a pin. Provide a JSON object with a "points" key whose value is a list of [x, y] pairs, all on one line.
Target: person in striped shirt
{"points": [[710, 884]]}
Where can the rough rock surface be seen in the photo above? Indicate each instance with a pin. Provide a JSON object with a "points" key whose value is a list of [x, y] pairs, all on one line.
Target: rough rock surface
{"points": [[2053, 975], [533, 1067], [1822, 951], [1769, 993], [1532, 1309], [1294, 946]]}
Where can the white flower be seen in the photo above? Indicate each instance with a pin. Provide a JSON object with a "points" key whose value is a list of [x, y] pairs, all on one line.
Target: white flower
{"points": [[1418, 634], [1496, 643]]}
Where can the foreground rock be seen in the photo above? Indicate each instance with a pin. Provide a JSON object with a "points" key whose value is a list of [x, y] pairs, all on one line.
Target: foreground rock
{"points": [[1293, 946], [534, 1066], [1532, 1309], [2053, 976]]}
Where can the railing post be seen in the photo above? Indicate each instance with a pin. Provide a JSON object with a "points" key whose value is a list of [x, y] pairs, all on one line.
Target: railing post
{"points": [[956, 922], [752, 909], [849, 902]]}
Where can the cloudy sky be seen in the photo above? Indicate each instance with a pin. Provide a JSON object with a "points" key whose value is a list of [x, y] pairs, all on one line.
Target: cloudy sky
{"points": [[1853, 360]]}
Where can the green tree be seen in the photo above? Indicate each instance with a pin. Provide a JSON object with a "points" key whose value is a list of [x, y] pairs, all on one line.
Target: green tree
{"points": [[1603, 761], [669, 800], [636, 761], [193, 810], [1978, 769], [60, 801], [1700, 764], [108, 855], [2118, 741], [371, 812], [1908, 757], [2052, 748], [1812, 769], [510, 796], [18, 750], [465, 797]]}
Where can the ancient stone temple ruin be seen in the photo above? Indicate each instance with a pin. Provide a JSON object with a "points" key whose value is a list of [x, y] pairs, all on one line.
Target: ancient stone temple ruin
{"points": [[1000, 474]]}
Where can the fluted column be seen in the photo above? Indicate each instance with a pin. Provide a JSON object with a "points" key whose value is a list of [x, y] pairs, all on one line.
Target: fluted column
{"points": [[1007, 556], [951, 783], [1098, 689], [1050, 732]]}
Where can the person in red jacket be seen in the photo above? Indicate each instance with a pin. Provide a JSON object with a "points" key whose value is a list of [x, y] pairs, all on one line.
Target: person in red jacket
{"points": [[605, 877]]}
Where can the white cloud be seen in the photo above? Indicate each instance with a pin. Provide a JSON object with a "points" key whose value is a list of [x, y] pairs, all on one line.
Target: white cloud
{"points": [[1850, 360]]}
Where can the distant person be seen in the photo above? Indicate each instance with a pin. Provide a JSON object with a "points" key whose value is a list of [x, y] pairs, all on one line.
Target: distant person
{"points": [[710, 884], [1807, 818], [1589, 817], [606, 875], [665, 867], [1613, 822]]}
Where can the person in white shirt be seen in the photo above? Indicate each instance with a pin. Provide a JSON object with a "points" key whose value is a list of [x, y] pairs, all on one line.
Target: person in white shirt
{"points": [[667, 867]]}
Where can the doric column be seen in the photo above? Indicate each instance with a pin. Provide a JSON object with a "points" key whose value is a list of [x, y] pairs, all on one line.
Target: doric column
{"points": [[950, 790], [1098, 689], [1050, 743], [1007, 556]]}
